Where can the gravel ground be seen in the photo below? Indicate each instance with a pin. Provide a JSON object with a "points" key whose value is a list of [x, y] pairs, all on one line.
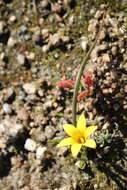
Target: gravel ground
{"points": [[42, 42]]}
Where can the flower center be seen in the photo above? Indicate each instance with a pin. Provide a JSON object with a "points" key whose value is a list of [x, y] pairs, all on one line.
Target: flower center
{"points": [[81, 140]]}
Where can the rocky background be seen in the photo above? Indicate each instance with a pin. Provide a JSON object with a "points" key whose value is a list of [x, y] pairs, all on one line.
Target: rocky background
{"points": [[42, 42]]}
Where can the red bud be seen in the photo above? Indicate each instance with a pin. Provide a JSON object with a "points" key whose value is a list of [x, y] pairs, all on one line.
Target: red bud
{"points": [[88, 78], [66, 84], [83, 94]]}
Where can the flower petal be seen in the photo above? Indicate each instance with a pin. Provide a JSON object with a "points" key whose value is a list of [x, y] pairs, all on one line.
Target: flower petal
{"points": [[71, 130], [81, 124], [66, 142], [90, 130], [90, 143], [75, 148]]}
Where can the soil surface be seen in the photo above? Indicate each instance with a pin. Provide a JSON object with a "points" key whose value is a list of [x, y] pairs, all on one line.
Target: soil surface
{"points": [[43, 42]]}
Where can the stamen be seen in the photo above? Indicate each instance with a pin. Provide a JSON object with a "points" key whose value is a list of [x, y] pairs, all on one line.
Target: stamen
{"points": [[82, 140]]}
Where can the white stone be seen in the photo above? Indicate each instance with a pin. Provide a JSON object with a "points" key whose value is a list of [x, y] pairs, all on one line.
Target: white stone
{"points": [[30, 145], [41, 21], [29, 88], [45, 48], [11, 42], [84, 43], [31, 56], [40, 152], [98, 14], [2, 56], [12, 18], [77, 164], [16, 129], [45, 32], [44, 3], [65, 38], [54, 39], [21, 59], [106, 57], [6, 108]]}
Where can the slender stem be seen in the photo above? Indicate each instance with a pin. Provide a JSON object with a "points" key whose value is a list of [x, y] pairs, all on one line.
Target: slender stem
{"points": [[78, 78]]}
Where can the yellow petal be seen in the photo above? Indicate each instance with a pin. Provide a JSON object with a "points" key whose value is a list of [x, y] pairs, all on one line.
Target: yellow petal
{"points": [[71, 130], [66, 142], [81, 124], [75, 148], [90, 143], [90, 130]]}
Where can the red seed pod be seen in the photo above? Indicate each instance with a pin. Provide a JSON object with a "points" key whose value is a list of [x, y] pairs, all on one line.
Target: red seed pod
{"points": [[83, 94], [66, 84]]}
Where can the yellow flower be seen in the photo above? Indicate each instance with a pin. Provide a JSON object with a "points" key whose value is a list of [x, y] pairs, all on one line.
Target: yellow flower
{"points": [[79, 136]]}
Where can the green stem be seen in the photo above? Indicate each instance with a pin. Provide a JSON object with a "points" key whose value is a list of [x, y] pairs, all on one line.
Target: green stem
{"points": [[78, 78]]}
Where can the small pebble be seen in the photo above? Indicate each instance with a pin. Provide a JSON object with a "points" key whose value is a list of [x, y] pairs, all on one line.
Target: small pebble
{"points": [[41, 21], [45, 33], [23, 114], [40, 92], [29, 88], [67, 2], [21, 59], [30, 56], [114, 50], [23, 30], [106, 57], [17, 128], [30, 145], [102, 35], [12, 18], [2, 56], [98, 14], [84, 43], [92, 26], [11, 42], [40, 152], [125, 88], [54, 39], [45, 48], [44, 3], [47, 104], [56, 8], [7, 108], [49, 132]]}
